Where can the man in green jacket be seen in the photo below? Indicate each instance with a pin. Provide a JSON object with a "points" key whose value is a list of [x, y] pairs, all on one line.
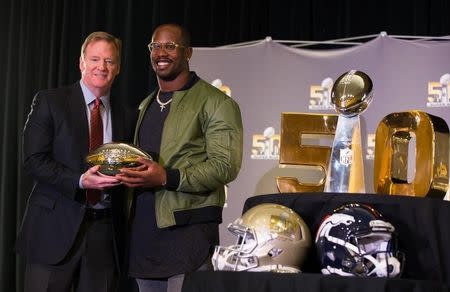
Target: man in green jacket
{"points": [[193, 132]]}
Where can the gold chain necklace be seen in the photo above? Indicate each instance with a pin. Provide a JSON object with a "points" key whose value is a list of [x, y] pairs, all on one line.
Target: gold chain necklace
{"points": [[162, 105]]}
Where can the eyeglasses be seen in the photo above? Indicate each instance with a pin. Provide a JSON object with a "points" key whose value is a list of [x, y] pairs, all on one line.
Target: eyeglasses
{"points": [[168, 47]]}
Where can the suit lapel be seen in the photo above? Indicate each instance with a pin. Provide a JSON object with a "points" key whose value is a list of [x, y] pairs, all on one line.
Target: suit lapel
{"points": [[78, 115]]}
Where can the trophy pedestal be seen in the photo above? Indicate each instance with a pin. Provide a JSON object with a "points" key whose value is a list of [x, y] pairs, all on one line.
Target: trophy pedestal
{"points": [[346, 170]]}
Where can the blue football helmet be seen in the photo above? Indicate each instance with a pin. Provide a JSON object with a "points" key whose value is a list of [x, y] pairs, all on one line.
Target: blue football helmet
{"points": [[354, 240]]}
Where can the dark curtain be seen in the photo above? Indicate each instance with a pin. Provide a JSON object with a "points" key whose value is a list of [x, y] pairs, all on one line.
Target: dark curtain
{"points": [[40, 47]]}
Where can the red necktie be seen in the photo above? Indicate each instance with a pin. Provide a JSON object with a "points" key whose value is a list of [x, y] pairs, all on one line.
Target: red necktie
{"points": [[95, 140]]}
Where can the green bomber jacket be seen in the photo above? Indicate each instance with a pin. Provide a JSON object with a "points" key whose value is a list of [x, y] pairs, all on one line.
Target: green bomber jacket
{"points": [[202, 138]]}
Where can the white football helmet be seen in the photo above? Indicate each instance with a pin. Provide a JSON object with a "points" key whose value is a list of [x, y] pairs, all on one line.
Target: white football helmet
{"points": [[271, 237]]}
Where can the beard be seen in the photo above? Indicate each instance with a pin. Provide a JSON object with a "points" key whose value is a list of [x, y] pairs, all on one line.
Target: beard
{"points": [[171, 73], [168, 77]]}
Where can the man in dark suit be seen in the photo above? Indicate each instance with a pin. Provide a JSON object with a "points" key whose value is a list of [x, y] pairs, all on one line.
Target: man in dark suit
{"points": [[70, 242]]}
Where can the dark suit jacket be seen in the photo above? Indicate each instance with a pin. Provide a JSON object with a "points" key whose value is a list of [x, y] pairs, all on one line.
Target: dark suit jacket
{"points": [[55, 144]]}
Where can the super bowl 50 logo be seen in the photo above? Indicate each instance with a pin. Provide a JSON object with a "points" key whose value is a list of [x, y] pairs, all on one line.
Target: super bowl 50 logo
{"points": [[320, 95], [438, 92], [266, 145]]}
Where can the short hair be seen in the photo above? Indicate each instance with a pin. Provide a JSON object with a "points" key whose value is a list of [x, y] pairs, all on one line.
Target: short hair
{"points": [[185, 34], [102, 36]]}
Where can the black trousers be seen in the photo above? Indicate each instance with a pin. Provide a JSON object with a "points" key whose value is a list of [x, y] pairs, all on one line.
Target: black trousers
{"points": [[89, 266]]}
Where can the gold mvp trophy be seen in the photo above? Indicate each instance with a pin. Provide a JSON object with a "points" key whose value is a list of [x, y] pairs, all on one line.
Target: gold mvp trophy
{"points": [[351, 95]]}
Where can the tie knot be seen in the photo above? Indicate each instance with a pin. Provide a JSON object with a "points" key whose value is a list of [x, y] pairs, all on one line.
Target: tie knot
{"points": [[97, 102]]}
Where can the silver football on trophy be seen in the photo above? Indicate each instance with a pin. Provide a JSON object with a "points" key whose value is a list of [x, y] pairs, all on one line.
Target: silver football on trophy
{"points": [[113, 156], [352, 93]]}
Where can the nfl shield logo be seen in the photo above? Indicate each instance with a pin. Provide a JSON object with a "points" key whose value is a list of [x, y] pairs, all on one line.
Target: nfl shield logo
{"points": [[346, 156]]}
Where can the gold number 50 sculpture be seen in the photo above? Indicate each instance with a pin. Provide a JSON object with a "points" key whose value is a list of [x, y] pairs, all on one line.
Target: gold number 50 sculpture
{"points": [[342, 165], [393, 135]]}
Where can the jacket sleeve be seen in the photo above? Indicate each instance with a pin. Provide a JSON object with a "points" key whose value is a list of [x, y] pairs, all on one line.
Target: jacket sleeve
{"points": [[223, 146], [40, 149]]}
